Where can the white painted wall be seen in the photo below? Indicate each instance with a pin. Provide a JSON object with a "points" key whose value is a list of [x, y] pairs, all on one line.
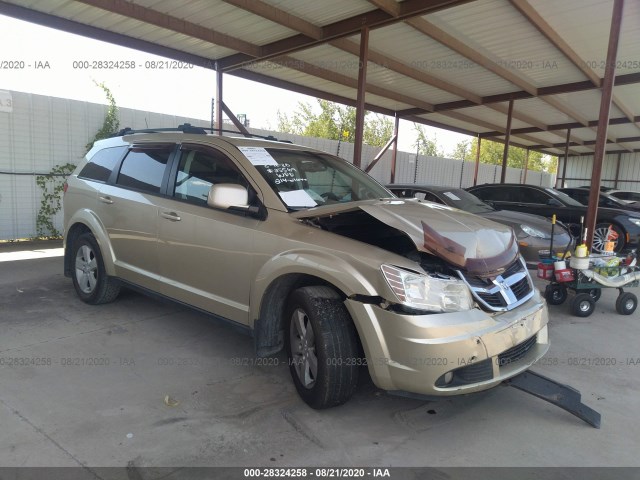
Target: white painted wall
{"points": [[579, 171], [39, 132]]}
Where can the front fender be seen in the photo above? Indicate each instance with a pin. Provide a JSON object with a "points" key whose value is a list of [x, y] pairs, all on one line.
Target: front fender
{"points": [[339, 272], [89, 219]]}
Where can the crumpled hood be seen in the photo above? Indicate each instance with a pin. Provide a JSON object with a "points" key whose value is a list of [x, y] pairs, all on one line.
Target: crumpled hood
{"points": [[466, 241]]}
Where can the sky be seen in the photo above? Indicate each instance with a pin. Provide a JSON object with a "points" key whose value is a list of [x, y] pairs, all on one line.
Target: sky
{"points": [[184, 92]]}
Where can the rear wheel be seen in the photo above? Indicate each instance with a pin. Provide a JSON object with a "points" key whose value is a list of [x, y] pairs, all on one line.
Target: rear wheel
{"points": [[322, 347], [89, 275], [595, 293], [582, 305], [626, 303], [555, 294], [600, 235]]}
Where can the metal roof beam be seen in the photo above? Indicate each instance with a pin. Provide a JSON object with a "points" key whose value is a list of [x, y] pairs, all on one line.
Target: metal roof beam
{"points": [[278, 16], [342, 28], [300, 25], [462, 48], [564, 126], [314, 92], [626, 79], [162, 20], [530, 13], [399, 67], [311, 69], [77, 28]]}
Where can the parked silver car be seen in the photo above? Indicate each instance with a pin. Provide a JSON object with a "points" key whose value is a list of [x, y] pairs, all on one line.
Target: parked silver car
{"points": [[534, 232], [305, 252]]}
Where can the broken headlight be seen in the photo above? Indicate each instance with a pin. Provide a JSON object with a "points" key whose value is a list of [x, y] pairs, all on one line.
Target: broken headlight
{"points": [[425, 292]]}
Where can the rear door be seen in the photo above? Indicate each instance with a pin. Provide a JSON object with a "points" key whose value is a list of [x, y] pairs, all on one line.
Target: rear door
{"points": [[205, 254], [129, 211]]}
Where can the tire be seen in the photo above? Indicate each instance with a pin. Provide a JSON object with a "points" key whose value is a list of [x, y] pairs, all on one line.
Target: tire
{"points": [[555, 294], [626, 303], [600, 236], [89, 276], [582, 305], [316, 315], [595, 293]]}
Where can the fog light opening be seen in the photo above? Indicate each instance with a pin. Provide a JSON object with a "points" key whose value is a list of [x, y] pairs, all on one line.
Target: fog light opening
{"points": [[448, 378]]}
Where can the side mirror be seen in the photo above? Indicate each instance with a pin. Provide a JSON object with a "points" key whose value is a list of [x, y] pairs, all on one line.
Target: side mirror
{"points": [[225, 195], [555, 203]]}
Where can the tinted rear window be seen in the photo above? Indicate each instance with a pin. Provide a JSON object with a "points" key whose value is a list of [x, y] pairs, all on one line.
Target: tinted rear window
{"points": [[102, 164], [143, 169]]}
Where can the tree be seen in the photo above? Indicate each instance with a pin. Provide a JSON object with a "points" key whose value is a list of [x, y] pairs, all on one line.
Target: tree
{"points": [[334, 122], [427, 146], [492, 152], [462, 150]]}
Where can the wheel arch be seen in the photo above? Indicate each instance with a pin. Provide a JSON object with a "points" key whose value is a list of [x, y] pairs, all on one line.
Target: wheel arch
{"points": [[84, 221], [268, 328], [295, 269]]}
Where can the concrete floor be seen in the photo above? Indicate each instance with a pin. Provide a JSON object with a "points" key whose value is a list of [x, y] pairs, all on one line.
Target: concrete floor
{"points": [[86, 386]]}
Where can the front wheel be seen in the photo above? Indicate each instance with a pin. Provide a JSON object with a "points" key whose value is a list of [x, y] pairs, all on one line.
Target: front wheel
{"points": [[626, 303], [582, 305], [322, 347], [89, 275]]}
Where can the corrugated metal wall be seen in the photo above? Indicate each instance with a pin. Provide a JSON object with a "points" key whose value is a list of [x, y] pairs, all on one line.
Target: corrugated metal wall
{"points": [[41, 132], [579, 171]]}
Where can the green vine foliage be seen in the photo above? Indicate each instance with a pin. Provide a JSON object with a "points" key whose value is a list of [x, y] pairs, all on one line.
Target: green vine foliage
{"points": [[52, 184]]}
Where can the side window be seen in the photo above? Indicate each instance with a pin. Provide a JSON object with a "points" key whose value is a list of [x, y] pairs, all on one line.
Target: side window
{"points": [[101, 165], [494, 194], [582, 197], [432, 198], [530, 195], [143, 168], [199, 170]]}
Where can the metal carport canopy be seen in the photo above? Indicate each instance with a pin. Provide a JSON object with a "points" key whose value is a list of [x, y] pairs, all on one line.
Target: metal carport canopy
{"points": [[462, 65], [453, 64]]}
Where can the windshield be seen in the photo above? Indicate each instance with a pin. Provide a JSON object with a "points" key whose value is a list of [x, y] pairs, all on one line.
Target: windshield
{"points": [[309, 179], [466, 201]]}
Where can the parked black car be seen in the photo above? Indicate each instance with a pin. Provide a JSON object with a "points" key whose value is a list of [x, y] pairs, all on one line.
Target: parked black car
{"points": [[605, 199], [547, 201], [533, 231]]}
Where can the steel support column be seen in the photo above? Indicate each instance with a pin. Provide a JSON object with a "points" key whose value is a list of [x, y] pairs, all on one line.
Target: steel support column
{"points": [[219, 100], [565, 161], [603, 118], [505, 154], [394, 154], [362, 82], [475, 171], [526, 167], [615, 185]]}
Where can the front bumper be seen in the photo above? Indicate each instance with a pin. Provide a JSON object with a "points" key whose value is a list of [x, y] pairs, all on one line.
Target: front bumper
{"points": [[414, 353]]}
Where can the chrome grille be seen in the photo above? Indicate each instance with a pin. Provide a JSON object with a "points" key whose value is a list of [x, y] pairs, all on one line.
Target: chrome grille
{"points": [[502, 292]]}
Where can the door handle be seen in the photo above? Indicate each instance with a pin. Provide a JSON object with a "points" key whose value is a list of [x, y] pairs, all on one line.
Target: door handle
{"points": [[106, 199], [173, 216]]}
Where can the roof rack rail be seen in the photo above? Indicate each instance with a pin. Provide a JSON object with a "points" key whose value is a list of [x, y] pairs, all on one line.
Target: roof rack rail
{"points": [[188, 128]]}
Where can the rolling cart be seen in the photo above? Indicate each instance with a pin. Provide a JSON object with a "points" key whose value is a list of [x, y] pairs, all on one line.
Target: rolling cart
{"points": [[586, 277]]}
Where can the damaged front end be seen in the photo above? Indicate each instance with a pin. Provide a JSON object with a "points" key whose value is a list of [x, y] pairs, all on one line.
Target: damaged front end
{"points": [[464, 259]]}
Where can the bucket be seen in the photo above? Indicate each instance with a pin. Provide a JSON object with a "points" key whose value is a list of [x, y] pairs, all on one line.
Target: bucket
{"points": [[545, 271], [581, 251], [579, 263], [565, 275], [561, 265]]}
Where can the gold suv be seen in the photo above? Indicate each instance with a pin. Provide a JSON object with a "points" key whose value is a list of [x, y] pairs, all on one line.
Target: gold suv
{"points": [[308, 253]]}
